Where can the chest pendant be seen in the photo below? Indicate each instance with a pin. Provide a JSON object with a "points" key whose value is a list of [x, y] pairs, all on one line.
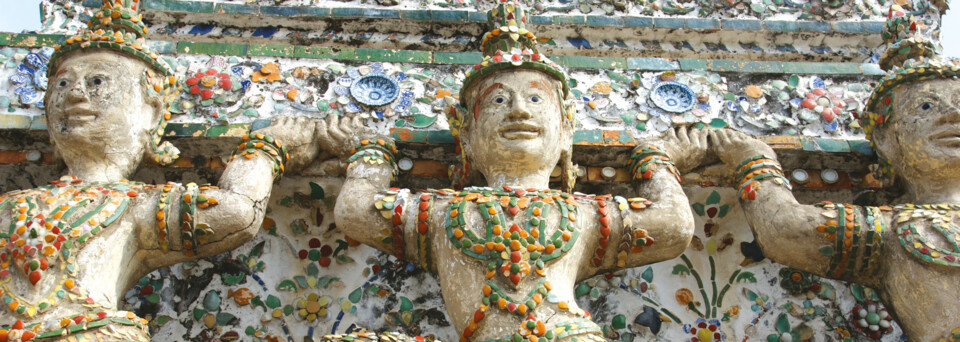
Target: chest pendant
{"points": [[523, 244], [940, 219]]}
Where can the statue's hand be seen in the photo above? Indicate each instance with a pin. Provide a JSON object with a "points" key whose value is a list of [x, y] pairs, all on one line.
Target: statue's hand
{"points": [[298, 135], [339, 135], [687, 147], [734, 147]]}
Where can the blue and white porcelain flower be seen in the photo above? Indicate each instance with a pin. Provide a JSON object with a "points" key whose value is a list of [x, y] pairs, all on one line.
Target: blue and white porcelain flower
{"points": [[31, 77], [373, 91], [673, 97]]}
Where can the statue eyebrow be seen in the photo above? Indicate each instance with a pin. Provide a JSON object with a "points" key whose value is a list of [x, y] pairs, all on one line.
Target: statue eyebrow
{"points": [[61, 71], [476, 100], [540, 85]]}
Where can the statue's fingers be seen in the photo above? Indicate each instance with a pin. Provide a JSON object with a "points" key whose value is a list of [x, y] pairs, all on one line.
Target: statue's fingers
{"points": [[347, 125], [357, 122], [317, 128], [321, 130], [672, 134], [698, 138], [720, 137], [333, 128], [684, 136], [333, 120]]}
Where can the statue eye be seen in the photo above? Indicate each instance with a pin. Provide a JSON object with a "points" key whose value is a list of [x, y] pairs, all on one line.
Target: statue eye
{"points": [[97, 81], [63, 83], [499, 100], [535, 99], [926, 106]]}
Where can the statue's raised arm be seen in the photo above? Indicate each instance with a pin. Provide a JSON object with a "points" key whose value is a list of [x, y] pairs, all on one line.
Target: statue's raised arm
{"points": [[508, 254], [656, 224], [907, 250]]}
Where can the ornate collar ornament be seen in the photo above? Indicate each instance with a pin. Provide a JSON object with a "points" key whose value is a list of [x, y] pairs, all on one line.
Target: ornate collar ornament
{"points": [[507, 45], [912, 55], [118, 26], [50, 224]]}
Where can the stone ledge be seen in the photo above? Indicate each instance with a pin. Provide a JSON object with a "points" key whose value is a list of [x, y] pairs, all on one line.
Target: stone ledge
{"points": [[28, 40], [862, 27]]}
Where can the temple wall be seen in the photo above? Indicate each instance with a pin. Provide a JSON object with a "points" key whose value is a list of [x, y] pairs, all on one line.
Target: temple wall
{"points": [[794, 74]]}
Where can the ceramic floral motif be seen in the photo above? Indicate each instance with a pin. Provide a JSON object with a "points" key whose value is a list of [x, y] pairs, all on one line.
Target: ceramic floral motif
{"points": [[375, 90], [673, 97], [375, 87]]}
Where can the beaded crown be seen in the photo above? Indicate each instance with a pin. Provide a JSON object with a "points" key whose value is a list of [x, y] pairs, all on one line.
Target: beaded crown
{"points": [[118, 26], [912, 55], [509, 44]]}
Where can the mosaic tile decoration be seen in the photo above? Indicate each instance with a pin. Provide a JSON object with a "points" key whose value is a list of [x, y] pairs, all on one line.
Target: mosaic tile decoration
{"points": [[301, 277], [780, 98]]}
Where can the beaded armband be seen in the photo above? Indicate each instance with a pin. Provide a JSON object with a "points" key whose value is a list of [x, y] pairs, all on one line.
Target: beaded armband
{"points": [[252, 143], [645, 161], [753, 170], [853, 239], [162, 209], [375, 152], [192, 199], [633, 239], [188, 219]]}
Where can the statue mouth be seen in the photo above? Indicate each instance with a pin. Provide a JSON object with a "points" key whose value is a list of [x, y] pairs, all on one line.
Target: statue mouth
{"points": [[77, 115], [948, 138], [520, 131]]}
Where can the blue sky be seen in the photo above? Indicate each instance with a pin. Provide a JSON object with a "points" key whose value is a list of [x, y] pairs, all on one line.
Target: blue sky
{"points": [[22, 15]]}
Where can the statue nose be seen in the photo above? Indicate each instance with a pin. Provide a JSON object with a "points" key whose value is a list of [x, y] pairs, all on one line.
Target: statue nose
{"points": [[518, 111], [77, 93], [954, 109], [950, 113]]}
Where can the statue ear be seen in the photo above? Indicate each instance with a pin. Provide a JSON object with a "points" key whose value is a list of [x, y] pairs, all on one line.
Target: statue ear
{"points": [[153, 110], [569, 121], [153, 101], [885, 143]]}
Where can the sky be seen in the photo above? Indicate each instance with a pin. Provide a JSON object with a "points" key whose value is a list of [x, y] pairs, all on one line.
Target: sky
{"points": [[22, 15]]}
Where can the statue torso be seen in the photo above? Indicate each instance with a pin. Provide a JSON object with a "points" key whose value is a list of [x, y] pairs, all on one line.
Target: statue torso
{"points": [[508, 261], [922, 266], [46, 273]]}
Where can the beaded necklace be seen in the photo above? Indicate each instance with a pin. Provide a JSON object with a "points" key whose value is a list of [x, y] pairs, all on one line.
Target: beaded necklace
{"points": [[940, 217], [513, 251], [48, 226]]}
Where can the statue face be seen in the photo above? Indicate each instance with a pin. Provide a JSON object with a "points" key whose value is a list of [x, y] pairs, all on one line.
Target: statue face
{"points": [[922, 139], [96, 106], [516, 125]]}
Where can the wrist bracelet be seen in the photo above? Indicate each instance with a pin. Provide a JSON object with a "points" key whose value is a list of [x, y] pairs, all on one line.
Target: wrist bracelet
{"points": [[252, 143], [756, 163], [375, 152], [753, 170], [379, 144], [643, 163]]}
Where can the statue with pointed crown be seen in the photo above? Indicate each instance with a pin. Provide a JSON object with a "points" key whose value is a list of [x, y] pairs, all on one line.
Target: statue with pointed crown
{"points": [[907, 250], [508, 254], [71, 249]]}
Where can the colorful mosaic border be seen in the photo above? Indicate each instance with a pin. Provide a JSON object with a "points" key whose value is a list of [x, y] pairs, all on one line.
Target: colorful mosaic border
{"points": [[470, 58], [462, 16]]}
